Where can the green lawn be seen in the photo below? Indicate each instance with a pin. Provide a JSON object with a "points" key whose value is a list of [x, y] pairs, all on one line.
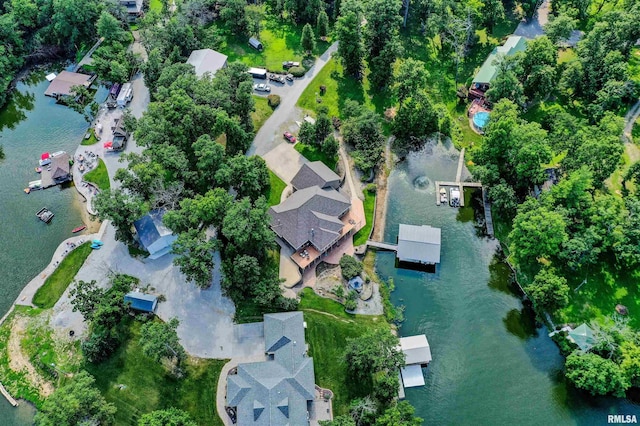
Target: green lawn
{"points": [[92, 138], [313, 153], [277, 185], [327, 335], [262, 113], [137, 385], [566, 55], [155, 5], [362, 235], [281, 41], [59, 280], [99, 176]]}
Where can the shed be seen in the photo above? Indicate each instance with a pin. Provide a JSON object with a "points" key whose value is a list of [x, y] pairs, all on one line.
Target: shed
{"points": [[583, 337], [416, 349], [419, 244], [255, 43], [207, 61], [141, 302], [61, 85], [412, 376], [153, 235]]}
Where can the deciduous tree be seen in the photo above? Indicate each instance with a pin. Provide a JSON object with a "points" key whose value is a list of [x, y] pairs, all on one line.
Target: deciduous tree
{"points": [[194, 255], [169, 417], [596, 375], [548, 290], [349, 32], [159, 340]]}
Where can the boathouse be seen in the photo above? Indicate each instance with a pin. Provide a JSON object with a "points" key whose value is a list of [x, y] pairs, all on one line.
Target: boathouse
{"points": [[141, 302], [153, 235], [62, 84], [60, 168], [207, 61], [419, 244], [417, 355]]}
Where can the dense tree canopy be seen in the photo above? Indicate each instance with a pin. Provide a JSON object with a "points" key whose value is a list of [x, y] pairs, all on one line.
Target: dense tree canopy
{"points": [[169, 417], [595, 374]]}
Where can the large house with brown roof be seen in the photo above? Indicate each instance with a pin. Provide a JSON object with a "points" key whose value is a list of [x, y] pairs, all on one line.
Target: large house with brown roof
{"points": [[61, 85], [315, 217]]}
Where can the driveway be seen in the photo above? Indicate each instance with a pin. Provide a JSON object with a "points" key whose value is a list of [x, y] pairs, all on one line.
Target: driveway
{"points": [[206, 325], [270, 134], [533, 27]]}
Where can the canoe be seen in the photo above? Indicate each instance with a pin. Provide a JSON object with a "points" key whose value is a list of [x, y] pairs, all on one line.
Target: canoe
{"points": [[79, 228]]}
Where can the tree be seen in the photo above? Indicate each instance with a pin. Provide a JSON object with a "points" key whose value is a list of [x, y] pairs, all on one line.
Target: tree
{"points": [[492, 12], [363, 410], [234, 14], [504, 199], [507, 84], [399, 414], [364, 133], [411, 77], [76, 402], [415, 119], [323, 127], [241, 274], [343, 420], [350, 266], [303, 10], [529, 240], [308, 39], [630, 364], [122, 209], [246, 226], [322, 24], [199, 212], [248, 176], [377, 350], [152, 69], [159, 340], [85, 297], [381, 39], [596, 375], [73, 21], [385, 386], [330, 147], [169, 417], [559, 28], [110, 28], [548, 291], [307, 133], [194, 255], [349, 32]]}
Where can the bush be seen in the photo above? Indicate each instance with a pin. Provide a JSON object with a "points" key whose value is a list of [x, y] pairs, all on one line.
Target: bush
{"points": [[371, 188], [351, 303], [350, 266], [297, 71], [330, 147], [274, 100]]}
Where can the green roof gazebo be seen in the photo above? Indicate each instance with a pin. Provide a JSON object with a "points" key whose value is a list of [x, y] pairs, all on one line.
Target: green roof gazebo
{"points": [[583, 337]]}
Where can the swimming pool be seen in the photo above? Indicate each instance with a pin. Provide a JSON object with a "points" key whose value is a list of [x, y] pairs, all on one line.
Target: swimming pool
{"points": [[480, 119]]}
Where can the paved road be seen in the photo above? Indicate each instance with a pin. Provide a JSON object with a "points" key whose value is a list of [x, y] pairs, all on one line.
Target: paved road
{"points": [[270, 134]]}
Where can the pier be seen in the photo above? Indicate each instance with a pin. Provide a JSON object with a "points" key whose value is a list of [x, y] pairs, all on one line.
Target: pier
{"points": [[382, 246], [7, 395]]}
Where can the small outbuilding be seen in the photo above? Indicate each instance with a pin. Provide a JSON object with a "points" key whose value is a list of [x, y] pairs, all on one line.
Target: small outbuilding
{"points": [[153, 235], [207, 61], [416, 349], [255, 43], [583, 337], [141, 302], [419, 244]]}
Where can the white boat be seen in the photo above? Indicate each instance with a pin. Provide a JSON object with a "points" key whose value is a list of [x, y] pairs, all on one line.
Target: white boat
{"points": [[443, 199], [55, 154], [35, 184], [454, 197]]}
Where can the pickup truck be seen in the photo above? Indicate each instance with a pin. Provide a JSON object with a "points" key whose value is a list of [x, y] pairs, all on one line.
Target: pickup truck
{"points": [[290, 64], [276, 77]]}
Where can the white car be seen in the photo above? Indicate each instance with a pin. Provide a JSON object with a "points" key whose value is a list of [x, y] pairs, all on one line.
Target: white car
{"points": [[262, 87]]}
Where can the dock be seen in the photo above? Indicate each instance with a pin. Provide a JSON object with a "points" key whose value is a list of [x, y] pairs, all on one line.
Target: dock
{"points": [[488, 219], [382, 246], [7, 395], [86, 59], [459, 184]]}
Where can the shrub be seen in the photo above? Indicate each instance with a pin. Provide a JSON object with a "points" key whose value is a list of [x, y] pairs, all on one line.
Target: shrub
{"points": [[350, 266], [371, 188], [351, 303], [297, 71], [330, 146], [273, 100]]}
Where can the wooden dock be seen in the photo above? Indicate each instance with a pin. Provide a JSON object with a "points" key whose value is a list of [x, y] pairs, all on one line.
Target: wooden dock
{"points": [[7, 395], [460, 185], [382, 246], [488, 219], [460, 164]]}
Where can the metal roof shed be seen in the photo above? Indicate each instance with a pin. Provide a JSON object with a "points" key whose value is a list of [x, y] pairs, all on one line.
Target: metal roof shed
{"points": [[416, 349], [419, 244], [141, 302], [255, 43]]}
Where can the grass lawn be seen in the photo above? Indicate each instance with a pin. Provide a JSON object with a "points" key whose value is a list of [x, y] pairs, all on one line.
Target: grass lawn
{"points": [[362, 235], [313, 153], [99, 176], [281, 41], [327, 334], [155, 5], [59, 280], [262, 113], [277, 185], [566, 55], [148, 387], [92, 139]]}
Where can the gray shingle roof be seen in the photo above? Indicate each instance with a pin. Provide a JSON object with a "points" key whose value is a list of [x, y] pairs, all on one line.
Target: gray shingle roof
{"points": [[150, 227], [207, 60], [315, 173], [277, 391], [310, 215]]}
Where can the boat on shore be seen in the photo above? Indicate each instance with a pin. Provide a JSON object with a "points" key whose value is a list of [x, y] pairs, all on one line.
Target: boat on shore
{"points": [[78, 229], [45, 215]]}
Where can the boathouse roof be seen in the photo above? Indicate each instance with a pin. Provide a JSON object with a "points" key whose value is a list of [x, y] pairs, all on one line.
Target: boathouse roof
{"points": [[62, 84], [419, 244], [416, 349]]}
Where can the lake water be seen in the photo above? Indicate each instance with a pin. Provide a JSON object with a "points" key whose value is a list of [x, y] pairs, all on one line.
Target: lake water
{"points": [[30, 125], [492, 365]]}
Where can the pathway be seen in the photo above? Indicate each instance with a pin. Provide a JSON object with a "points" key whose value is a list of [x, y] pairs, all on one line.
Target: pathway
{"points": [[86, 60]]}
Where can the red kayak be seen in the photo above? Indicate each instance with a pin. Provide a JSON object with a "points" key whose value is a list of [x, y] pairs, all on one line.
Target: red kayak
{"points": [[79, 228]]}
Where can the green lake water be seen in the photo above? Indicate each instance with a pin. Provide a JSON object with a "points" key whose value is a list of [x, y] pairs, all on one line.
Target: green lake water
{"points": [[492, 364], [30, 125]]}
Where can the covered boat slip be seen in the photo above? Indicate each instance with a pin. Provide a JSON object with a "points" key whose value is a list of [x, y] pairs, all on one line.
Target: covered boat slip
{"points": [[417, 355]]}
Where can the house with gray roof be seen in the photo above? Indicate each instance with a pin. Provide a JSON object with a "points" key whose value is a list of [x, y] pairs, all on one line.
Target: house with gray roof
{"points": [[153, 235], [315, 173], [134, 9], [207, 61], [280, 390]]}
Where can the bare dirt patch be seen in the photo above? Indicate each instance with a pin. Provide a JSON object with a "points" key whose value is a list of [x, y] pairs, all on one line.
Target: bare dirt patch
{"points": [[18, 361]]}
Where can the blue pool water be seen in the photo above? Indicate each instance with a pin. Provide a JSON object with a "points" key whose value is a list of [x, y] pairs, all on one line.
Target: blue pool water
{"points": [[480, 119]]}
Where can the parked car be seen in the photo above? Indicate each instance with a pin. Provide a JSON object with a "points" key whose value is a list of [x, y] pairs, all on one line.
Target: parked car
{"points": [[290, 64], [276, 77], [289, 137], [289, 77], [262, 87]]}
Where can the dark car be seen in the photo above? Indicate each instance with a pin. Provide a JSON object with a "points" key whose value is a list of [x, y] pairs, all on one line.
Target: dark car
{"points": [[290, 64], [289, 137], [289, 77], [276, 77]]}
